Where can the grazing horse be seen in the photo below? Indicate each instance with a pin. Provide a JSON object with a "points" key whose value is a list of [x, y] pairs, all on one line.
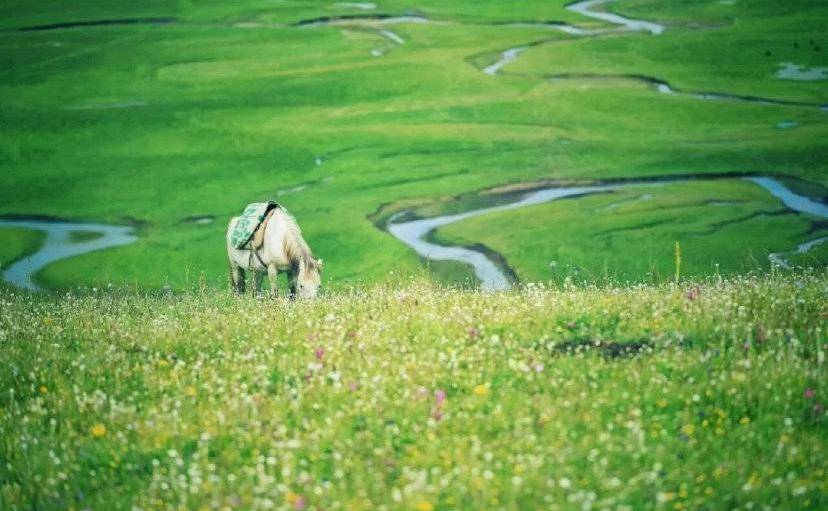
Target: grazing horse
{"points": [[282, 250]]}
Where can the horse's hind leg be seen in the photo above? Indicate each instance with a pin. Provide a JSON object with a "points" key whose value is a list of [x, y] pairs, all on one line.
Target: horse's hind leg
{"points": [[237, 278]]}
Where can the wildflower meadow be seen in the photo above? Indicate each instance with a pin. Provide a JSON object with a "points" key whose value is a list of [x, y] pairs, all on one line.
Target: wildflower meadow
{"points": [[408, 395]]}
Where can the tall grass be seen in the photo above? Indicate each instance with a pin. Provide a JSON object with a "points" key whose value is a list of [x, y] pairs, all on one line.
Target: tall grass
{"points": [[678, 262]]}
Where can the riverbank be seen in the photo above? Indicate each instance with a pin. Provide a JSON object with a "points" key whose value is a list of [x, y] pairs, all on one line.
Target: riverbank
{"points": [[513, 233], [61, 240]]}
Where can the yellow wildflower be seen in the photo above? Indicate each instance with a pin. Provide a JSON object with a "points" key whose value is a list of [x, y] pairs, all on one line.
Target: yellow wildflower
{"points": [[98, 430], [424, 505], [688, 429], [43, 389], [190, 391], [481, 390], [744, 420], [291, 498]]}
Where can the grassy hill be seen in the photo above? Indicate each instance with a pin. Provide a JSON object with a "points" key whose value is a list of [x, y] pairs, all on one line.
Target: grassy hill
{"points": [[409, 396], [222, 104]]}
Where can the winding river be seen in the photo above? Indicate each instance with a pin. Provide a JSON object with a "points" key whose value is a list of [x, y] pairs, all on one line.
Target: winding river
{"points": [[584, 8], [61, 241], [507, 56], [778, 258], [415, 233], [59, 244]]}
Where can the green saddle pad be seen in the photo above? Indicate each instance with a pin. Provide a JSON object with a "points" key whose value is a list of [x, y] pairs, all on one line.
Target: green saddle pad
{"points": [[249, 221]]}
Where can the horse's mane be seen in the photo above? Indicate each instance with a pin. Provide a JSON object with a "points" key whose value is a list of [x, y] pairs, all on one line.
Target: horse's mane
{"points": [[295, 246]]}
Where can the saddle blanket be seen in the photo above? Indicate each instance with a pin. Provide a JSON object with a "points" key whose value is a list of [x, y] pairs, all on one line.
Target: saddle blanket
{"points": [[249, 221]]}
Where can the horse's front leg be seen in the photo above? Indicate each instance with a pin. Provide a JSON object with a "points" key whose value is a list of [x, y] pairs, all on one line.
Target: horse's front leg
{"points": [[292, 285], [258, 277], [273, 276]]}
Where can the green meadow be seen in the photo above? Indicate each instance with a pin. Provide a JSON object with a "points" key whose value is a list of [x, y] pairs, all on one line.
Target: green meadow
{"points": [[16, 242], [630, 234], [153, 124], [650, 358], [406, 395]]}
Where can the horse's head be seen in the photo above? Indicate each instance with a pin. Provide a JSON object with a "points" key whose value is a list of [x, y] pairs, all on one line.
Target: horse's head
{"points": [[308, 278]]}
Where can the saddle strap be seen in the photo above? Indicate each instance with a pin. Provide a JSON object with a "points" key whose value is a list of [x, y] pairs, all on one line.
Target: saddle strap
{"points": [[250, 259], [260, 259]]}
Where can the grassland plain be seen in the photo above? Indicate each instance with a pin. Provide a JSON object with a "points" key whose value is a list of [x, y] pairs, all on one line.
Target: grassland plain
{"points": [[153, 124], [17, 242], [631, 234], [704, 395]]}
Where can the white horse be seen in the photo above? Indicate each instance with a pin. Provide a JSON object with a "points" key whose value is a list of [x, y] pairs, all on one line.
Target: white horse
{"points": [[283, 250]]}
